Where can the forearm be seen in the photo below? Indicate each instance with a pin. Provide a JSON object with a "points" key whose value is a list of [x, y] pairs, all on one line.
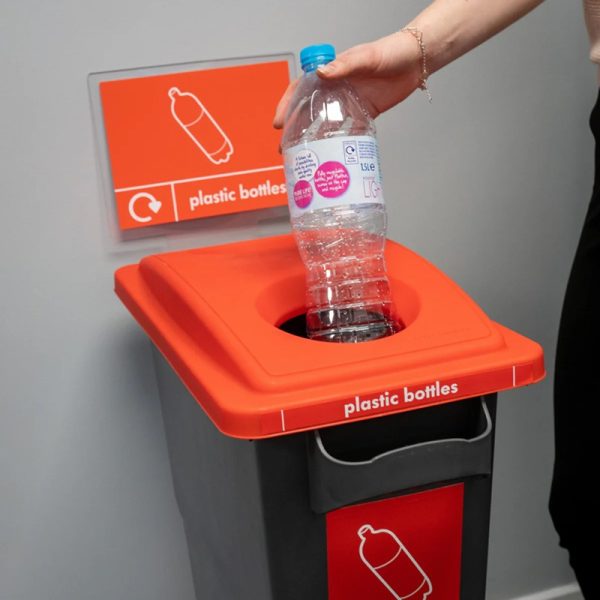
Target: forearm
{"points": [[453, 27]]}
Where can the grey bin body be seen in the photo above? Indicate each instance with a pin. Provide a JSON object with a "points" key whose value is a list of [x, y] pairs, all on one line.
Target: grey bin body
{"points": [[254, 511]]}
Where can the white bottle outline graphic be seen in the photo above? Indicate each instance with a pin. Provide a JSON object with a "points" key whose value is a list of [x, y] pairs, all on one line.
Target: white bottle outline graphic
{"points": [[219, 155], [424, 588]]}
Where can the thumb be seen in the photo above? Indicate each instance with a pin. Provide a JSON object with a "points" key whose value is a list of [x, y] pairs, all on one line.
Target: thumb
{"points": [[359, 60]]}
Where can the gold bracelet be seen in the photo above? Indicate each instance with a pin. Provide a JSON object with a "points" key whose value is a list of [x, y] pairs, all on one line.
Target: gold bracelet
{"points": [[418, 35]]}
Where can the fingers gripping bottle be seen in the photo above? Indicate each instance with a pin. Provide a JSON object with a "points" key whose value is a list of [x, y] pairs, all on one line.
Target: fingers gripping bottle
{"points": [[389, 560], [336, 206]]}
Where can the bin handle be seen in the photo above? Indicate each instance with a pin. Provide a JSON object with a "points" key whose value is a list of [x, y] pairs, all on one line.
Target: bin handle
{"points": [[486, 432]]}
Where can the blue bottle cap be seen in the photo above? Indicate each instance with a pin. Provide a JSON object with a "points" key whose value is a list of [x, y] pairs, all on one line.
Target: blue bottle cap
{"points": [[312, 57]]}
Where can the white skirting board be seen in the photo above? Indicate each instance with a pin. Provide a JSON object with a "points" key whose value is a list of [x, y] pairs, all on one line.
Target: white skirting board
{"points": [[564, 592]]}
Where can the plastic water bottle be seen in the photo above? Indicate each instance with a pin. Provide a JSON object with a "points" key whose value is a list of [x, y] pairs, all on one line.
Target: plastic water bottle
{"points": [[336, 206]]}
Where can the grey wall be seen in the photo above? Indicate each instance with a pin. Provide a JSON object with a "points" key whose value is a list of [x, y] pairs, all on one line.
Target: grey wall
{"points": [[490, 182]]}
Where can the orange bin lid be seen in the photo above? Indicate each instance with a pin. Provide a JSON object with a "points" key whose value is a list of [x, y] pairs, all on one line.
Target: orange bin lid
{"points": [[214, 314]]}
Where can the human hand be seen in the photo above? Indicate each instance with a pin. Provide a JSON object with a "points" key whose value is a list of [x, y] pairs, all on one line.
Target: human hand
{"points": [[383, 73]]}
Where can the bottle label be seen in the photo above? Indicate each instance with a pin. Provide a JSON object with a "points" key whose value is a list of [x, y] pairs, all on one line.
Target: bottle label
{"points": [[334, 172]]}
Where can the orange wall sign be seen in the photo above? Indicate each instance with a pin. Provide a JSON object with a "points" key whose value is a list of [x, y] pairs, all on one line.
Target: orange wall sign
{"points": [[194, 144]]}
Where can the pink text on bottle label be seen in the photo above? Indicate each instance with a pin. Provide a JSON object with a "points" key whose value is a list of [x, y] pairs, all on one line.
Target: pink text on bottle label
{"points": [[303, 193], [332, 179]]}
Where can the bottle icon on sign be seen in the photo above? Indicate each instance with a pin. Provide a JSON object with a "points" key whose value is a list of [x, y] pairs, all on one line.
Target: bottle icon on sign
{"points": [[200, 126], [389, 560]]}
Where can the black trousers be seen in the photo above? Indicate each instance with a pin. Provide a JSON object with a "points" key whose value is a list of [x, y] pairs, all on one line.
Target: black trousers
{"points": [[574, 508]]}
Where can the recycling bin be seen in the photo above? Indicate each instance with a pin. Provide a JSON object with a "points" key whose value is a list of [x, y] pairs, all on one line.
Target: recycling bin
{"points": [[306, 469]]}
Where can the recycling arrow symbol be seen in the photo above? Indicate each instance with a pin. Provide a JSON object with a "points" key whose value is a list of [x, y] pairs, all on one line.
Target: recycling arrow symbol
{"points": [[153, 204]]}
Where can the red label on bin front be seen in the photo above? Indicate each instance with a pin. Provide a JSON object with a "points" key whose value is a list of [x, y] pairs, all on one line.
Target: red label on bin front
{"points": [[402, 548]]}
